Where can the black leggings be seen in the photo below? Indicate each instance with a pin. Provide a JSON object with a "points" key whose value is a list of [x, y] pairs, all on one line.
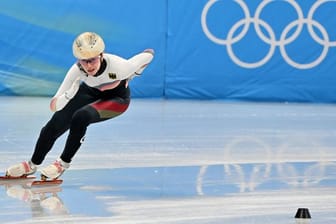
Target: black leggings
{"points": [[88, 106]]}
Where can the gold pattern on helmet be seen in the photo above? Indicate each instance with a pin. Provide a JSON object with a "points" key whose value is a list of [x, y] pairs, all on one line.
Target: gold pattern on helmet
{"points": [[88, 45]]}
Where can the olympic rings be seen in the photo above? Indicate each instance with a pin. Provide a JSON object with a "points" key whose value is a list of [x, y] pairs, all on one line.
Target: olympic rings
{"points": [[270, 38]]}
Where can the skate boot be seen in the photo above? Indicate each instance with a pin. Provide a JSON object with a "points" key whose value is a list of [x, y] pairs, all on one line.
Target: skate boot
{"points": [[21, 170], [55, 170]]}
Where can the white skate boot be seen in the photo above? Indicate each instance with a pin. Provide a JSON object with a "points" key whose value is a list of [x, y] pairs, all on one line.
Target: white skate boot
{"points": [[21, 170], [55, 170]]}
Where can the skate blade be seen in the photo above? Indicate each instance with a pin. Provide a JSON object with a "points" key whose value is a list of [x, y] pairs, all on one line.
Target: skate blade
{"points": [[17, 178], [45, 183]]}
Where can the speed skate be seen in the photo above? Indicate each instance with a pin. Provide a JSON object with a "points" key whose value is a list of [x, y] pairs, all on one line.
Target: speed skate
{"points": [[5, 180], [34, 183], [45, 182], [25, 177]]}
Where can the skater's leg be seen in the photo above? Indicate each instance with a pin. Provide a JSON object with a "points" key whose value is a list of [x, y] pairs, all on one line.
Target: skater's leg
{"points": [[96, 112], [82, 118], [58, 124]]}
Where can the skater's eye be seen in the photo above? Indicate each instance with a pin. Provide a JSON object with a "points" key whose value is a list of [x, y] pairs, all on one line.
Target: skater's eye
{"points": [[90, 60]]}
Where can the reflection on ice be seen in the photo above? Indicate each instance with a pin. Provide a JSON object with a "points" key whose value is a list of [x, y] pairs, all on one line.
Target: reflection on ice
{"points": [[209, 180], [180, 162], [186, 194], [43, 202]]}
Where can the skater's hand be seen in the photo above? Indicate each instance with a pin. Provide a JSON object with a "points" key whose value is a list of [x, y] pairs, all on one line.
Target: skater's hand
{"points": [[149, 50], [142, 68], [53, 104]]}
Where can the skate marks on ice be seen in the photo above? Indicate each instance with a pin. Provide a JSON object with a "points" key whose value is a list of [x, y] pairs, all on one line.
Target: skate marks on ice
{"points": [[220, 193], [193, 162]]}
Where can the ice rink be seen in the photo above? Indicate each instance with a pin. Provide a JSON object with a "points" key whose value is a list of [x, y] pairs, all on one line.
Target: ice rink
{"points": [[179, 162]]}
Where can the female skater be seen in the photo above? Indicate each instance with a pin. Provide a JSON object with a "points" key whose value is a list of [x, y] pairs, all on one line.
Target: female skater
{"points": [[95, 89]]}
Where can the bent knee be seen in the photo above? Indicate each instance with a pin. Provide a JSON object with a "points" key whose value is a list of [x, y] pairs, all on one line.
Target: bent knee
{"points": [[82, 118]]}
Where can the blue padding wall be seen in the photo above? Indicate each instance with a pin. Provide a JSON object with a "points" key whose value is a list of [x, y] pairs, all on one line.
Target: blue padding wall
{"points": [[205, 49]]}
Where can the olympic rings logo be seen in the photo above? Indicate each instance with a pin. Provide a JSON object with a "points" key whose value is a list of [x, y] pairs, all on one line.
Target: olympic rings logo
{"points": [[270, 39]]}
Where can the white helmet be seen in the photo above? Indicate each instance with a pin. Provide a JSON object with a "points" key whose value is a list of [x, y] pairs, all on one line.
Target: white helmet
{"points": [[88, 45]]}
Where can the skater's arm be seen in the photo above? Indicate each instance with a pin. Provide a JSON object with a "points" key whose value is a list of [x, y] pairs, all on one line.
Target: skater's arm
{"points": [[67, 90], [135, 65], [147, 61]]}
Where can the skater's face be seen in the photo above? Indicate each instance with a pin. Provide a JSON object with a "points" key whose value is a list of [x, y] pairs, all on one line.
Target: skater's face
{"points": [[91, 65]]}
